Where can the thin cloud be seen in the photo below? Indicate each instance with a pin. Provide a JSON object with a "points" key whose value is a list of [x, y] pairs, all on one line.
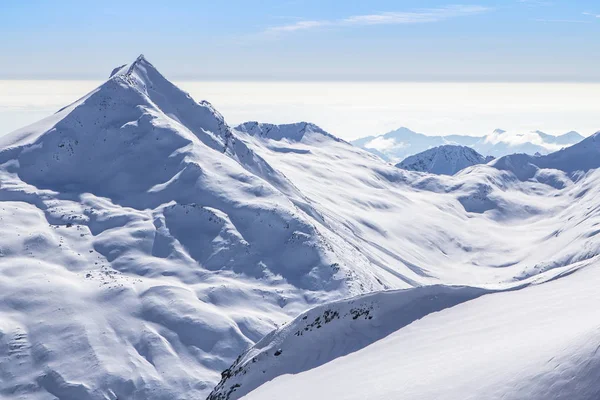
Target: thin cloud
{"points": [[386, 18], [572, 21], [535, 2], [591, 14], [566, 21], [417, 17], [298, 26]]}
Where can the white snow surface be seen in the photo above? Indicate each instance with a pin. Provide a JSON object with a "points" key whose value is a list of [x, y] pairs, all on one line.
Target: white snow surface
{"points": [[537, 343], [146, 245], [510, 234], [444, 160], [143, 247]]}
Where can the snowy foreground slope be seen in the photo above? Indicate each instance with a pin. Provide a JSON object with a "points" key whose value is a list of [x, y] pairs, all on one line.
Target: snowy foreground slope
{"points": [[443, 160], [529, 232], [145, 245], [537, 343]]}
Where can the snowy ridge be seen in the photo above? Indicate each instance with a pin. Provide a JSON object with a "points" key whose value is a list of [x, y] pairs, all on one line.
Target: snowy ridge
{"points": [[337, 329], [333, 330], [444, 160], [289, 132]]}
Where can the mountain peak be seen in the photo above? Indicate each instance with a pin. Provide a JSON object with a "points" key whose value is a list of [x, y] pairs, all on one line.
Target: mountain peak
{"points": [[572, 135], [140, 69], [128, 68], [443, 160], [402, 131]]}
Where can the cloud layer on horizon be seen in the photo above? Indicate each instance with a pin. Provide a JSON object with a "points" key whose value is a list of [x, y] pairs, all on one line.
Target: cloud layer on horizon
{"points": [[420, 16]]}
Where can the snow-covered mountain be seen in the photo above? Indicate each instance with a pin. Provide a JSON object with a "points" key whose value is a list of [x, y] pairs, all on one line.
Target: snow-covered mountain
{"points": [[144, 246], [579, 158], [147, 246], [287, 132], [517, 238], [444, 160], [397, 145]]}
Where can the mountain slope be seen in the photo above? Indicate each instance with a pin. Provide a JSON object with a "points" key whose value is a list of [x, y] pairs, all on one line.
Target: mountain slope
{"points": [[334, 330], [144, 247], [397, 145], [443, 160], [536, 343], [515, 233], [428, 229]]}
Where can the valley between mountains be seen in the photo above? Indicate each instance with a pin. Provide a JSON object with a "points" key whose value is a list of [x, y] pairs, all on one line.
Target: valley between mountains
{"points": [[149, 250]]}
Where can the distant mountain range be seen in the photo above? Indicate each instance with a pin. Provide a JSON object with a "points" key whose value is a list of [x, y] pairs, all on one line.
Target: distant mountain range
{"points": [[396, 145]]}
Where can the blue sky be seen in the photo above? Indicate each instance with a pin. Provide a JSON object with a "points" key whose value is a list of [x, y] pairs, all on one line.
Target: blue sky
{"points": [[511, 40]]}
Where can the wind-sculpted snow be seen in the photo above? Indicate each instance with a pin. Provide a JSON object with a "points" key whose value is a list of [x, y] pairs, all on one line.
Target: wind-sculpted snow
{"points": [[443, 160]]}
